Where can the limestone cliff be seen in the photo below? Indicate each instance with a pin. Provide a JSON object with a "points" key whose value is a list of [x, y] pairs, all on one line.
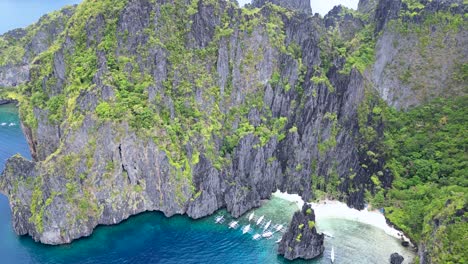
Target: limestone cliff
{"points": [[434, 36], [19, 47], [149, 106], [301, 240], [187, 107]]}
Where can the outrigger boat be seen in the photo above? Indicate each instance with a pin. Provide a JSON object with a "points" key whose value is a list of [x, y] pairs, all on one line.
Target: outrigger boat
{"points": [[278, 228], [267, 234], [246, 229], [332, 255], [233, 224], [219, 219], [277, 241], [260, 220], [251, 216], [257, 237], [267, 225]]}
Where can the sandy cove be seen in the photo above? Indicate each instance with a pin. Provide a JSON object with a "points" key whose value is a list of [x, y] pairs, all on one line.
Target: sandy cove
{"points": [[327, 209]]}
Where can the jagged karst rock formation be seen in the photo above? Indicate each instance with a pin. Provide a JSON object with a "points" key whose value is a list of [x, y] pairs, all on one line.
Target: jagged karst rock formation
{"points": [[187, 107], [301, 240], [19, 47], [437, 49], [302, 6], [344, 21], [396, 258], [256, 126]]}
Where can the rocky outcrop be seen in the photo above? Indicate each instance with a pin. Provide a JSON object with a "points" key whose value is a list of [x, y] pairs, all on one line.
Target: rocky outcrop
{"points": [[5, 101], [343, 19], [386, 11], [302, 6], [215, 154], [185, 107], [367, 7], [301, 240], [437, 50], [396, 258], [20, 46]]}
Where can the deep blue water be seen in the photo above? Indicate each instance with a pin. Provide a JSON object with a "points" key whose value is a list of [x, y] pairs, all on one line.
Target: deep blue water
{"points": [[22, 13], [153, 238]]}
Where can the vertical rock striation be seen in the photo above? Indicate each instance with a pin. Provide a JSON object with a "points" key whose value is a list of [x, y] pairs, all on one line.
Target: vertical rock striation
{"points": [[302, 6], [187, 107], [396, 258], [301, 240], [19, 47], [252, 117]]}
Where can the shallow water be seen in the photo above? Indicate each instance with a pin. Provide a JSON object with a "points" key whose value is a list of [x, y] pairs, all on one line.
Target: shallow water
{"points": [[153, 238]]}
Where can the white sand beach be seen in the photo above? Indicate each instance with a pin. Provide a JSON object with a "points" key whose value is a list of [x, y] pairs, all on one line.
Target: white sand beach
{"points": [[334, 209]]}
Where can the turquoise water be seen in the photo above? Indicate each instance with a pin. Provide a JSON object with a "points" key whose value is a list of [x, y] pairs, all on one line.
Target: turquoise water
{"points": [[153, 238]]}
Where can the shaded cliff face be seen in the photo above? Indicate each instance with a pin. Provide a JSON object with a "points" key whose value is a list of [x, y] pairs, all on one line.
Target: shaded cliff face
{"points": [[433, 35], [301, 6], [145, 105], [19, 47], [301, 240], [191, 106]]}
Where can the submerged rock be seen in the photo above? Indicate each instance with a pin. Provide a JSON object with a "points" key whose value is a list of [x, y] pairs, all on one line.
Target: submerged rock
{"points": [[301, 240], [396, 258]]}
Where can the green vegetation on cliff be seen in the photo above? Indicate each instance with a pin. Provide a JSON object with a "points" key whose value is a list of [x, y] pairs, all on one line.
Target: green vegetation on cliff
{"points": [[426, 153]]}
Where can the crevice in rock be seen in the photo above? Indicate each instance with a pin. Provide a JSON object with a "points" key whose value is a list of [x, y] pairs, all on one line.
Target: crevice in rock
{"points": [[124, 170]]}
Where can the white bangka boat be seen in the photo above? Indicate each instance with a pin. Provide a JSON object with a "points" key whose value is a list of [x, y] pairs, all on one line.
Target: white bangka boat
{"points": [[4, 124], [332, 255], [251, 216], [267, 234], [233, 224], [267, 225], [219, 219], [260, 220], [246, 229], [277, 241], [257, 237], [12, 124], [278, 228]]}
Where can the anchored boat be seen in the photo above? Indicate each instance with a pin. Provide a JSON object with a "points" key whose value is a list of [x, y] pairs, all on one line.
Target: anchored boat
{"points": [[267, 225], [267, 234], [279, 228], [260, 219], [332, 255], [251, 216], [233, 224], [219, 219], [246, 229]]}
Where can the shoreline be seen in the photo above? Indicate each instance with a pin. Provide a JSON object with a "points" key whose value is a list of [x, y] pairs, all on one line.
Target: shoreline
{"points": [[329, 209]]}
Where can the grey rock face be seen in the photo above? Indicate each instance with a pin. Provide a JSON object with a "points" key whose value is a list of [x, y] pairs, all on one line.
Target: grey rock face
{"points": [[106, 171], [33, 40], [346, 23], [386, 10], [302, 6], [5, 101], [396, 258], [367, 6], [411, 68], [301, 240]]}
